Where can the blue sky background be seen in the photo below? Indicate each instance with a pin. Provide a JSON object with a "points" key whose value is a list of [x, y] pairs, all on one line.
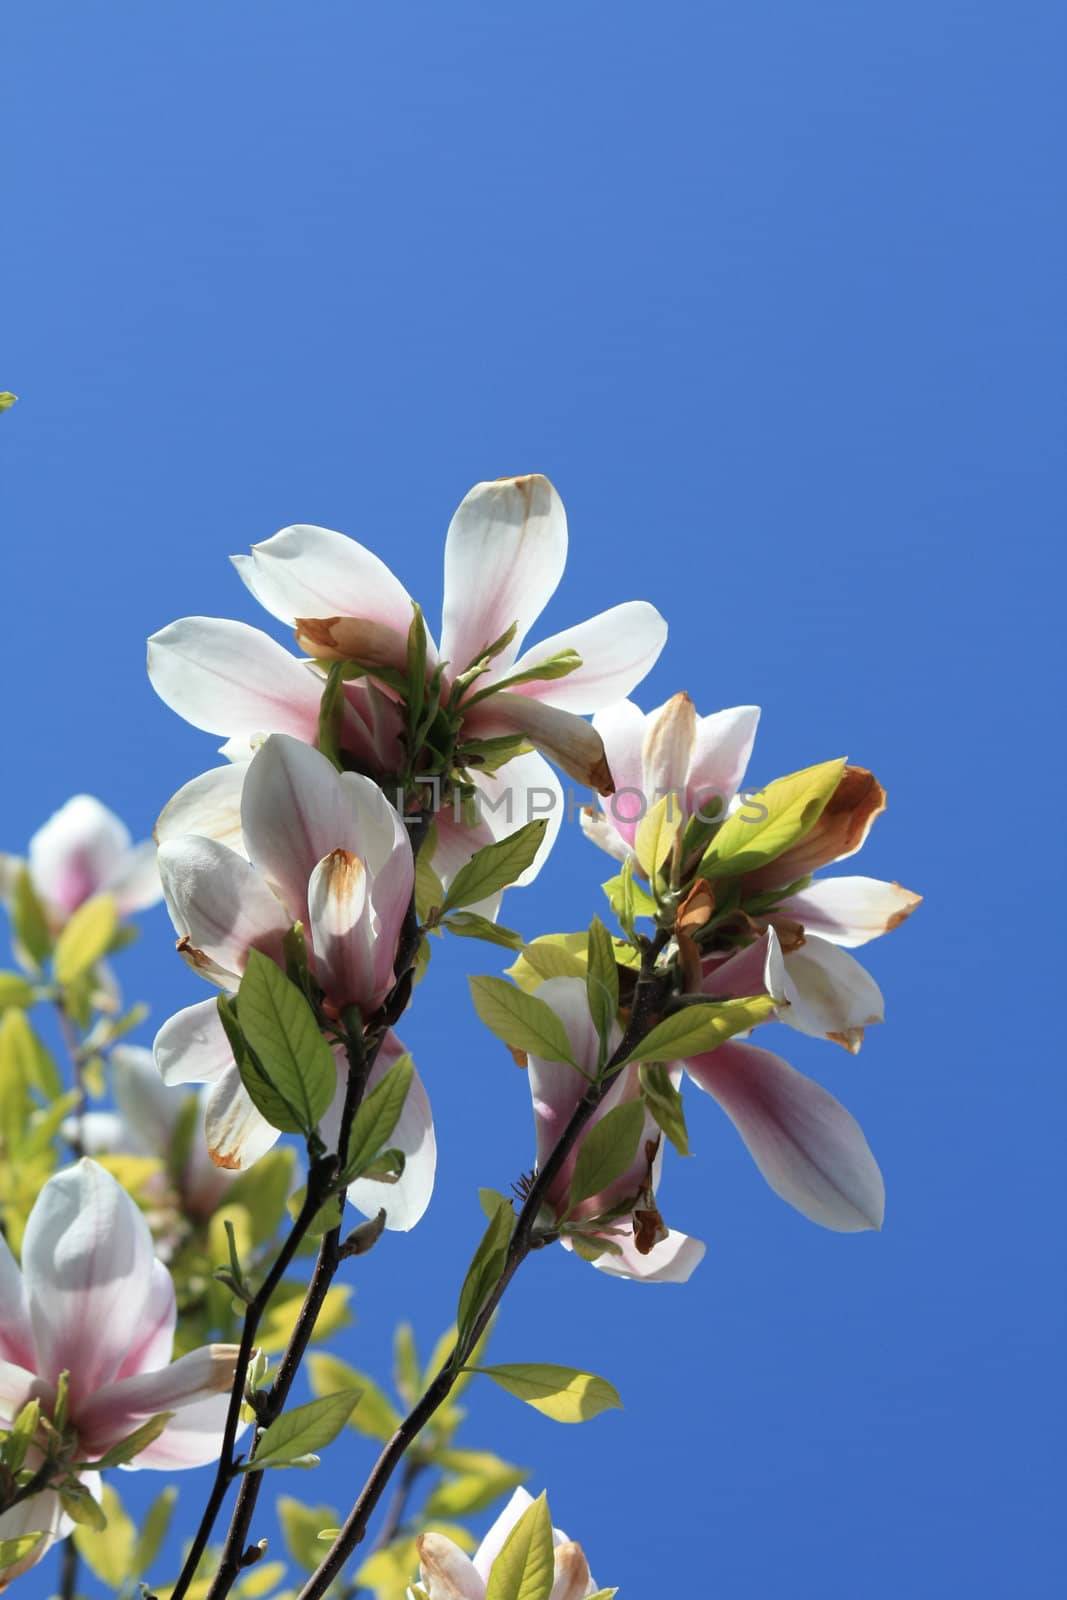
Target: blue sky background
{"points": [[774, 295]]}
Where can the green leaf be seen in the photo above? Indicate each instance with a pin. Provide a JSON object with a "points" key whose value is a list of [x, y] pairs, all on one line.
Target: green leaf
{"points": [[15, 990], [24, 1053], [14, 1448], [108, 1553], [124, 1452], [628, 899], [495, 866], [375, 1417], [12, 1550], [154, 1530], [487, 1264], [561, 665], [280, 1028], [331, 713], [7, 400], [469, 925], [699, 1028], [304, 1429], [416, 662], [29, 920], [376, 1118], [656, 833], [429, 891], [262, 1190], [665, 1104], [301, 1528], [80, 1506], [481, 1477], [607, 1150], [792, 807], [525, 1567], [562, 1393], [553, 955], [602, 982], [521, 1020], [86, 938], [489, 755]]}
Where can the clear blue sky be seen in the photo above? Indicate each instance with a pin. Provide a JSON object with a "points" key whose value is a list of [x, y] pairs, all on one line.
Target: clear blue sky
{"points": [[773, 293]]}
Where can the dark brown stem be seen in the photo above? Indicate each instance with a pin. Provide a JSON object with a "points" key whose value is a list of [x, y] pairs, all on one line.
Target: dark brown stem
{"points": [[355, 1527], [68, 1571]]}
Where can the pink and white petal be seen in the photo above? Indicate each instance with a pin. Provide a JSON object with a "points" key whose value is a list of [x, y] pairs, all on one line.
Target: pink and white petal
{"points": [[668, 748], [87, 1260], [341, 934], [134, 885], [76, 851], [219, 903], [555, 1086], [599, 831], [236, 1133], [380, 840], [721, 752], [446, 1572], [16, 1332], [673, 1260], [831, 996], [573, 745], [573, 1580], [117, 1409], [622, 728], [210, 806], [497, 1536], [618, 648], [294, 811], [850, 911], [808, 1147], [405, 1201], [155, 1340], [523, 791], [305, 571], [41, 1513], [504, 556], [149, 1109], [192, 1047], [757, 969], [233, 680], [18, 1385]]}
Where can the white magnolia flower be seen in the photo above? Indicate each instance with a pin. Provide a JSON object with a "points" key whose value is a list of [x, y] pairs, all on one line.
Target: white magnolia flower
{"points": [[447, 1573], [85, 849]]}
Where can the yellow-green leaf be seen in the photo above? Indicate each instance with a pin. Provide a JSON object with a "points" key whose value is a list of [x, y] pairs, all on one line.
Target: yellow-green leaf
{"points": [[791, 807], [495, 866], [554, 955], [562, 1393], [608, 1149], [521, 1020], [698, 1028], [376, 1416], [656, 833], [86, 938], [525, 1567], [15, 990], [296, 1433], [109, 1553]]}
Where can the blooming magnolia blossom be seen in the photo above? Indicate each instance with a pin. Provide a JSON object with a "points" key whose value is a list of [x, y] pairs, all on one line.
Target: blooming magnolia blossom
{"points": [[92, 1300], [504, 556], [447, 1573], [144, 1123], [319, 847], [85, 849], [703, 759], [636, 1243]]}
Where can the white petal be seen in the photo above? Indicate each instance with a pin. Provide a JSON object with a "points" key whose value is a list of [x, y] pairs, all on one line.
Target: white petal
{"points": [[155, 1337], [209, 805], [668, 748], [87, 1261], [523, 791], [565, 739], [850, 911], [831, 996], [618, 648], [41, 1513], [135, 882], [192, 1047], [75, 852], [305, 571], [446, 1572], [504, 556], [294, 811], [495, 1540], [233, 680], [622, 728], [405, 1201], [808, 1147], [721, 750], [672, 1260], [339, 919], [236, 1133], [16, 1334], [18, 1384], [599, 831], [147, 1106], [220, 904]]}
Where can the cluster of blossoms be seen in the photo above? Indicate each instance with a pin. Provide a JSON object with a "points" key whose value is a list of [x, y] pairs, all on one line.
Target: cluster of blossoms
{"points": [[368, 802]]}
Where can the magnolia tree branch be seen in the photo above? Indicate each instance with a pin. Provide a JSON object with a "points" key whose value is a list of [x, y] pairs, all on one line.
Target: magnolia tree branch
{"points": [[522, 1242]]}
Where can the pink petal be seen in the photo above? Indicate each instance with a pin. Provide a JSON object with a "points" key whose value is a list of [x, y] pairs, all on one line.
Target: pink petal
{"points": [[76, 851], [757, 969], [192, 1047], [196, 1387], [808, 1147], [831, 996], [233, 680], [721, 752], [87, 1261], [622, 728], [305, 571], [618, 648], [850, 911], [504, 556], [155, 1338], [220, 906]]}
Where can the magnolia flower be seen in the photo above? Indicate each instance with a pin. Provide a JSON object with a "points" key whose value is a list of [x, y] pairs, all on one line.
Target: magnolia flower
{"points": [[702, 761], [504, 557], [324, 849], [447, 1573], [623, 1218], [91, 1300], [144, 1124], [84, 849]]}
